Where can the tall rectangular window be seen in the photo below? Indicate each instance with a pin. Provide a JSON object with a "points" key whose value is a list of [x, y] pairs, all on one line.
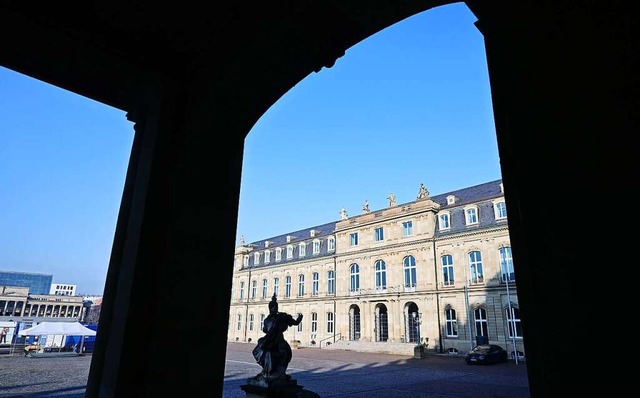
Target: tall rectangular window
{"points": [[480, 320], [447, 270], [316, 247], [476, 273], [314, 322], [451, 323], [331, 280], [250, 321], [242, 290], [353, 239], [407, 228], [500, 210], [379, 234], [264, 289], [329, 322], [316, 284], [443, 221], [239, 321], [254, 289], [300, 285], [331, 244], [513, 318], [276, 286], [506, 265], [287, 286]]}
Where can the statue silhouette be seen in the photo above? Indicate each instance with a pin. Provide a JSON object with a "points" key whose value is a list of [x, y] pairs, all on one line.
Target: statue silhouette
{"points": [[273, 352]]}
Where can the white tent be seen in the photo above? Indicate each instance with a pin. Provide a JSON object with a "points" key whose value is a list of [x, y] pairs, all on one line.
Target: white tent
{"points": [[59, 328]]}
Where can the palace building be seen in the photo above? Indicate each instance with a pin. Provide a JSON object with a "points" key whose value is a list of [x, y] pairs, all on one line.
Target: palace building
{"points": [[436, 272]]}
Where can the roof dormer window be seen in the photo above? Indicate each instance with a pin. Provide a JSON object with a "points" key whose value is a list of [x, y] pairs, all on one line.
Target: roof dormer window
{"points": [[451, 199], [471, 216], [444, 220], [500, 210], [289, 252]]}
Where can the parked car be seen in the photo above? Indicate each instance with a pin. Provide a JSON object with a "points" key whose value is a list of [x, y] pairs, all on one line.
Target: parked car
{"points": [[486, 354]]}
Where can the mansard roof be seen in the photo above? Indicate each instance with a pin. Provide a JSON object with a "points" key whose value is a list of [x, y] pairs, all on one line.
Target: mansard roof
{"points": [[303, 235], [476, 193], [473, 194]]}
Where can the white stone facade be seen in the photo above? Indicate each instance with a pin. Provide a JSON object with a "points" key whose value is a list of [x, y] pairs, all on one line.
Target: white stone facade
{"points": [[399, 293]]}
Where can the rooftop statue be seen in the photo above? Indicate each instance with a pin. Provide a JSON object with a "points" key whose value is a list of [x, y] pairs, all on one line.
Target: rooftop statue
{"points": [[365, 206], [392, 199], [343, 214], [423, 193]]}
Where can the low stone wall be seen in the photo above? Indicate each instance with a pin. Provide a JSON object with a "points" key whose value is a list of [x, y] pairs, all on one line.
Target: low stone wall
{"points": [[377, 347]]}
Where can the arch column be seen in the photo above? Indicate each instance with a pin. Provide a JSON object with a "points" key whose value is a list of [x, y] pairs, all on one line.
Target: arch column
{"points": [[176, 224], [367, 315], [564, 87]]}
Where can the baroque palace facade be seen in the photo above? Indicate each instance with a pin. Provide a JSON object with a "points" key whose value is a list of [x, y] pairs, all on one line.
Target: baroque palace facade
{"points": [[435, 272]]}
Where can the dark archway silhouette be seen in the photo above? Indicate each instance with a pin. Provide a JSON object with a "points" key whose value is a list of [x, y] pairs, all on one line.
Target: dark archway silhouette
{"points": [[564, 87]]}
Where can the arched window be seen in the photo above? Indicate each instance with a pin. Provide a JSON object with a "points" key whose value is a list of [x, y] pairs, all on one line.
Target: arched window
{"points": [[381, 275], [331, 282], [480, 321], [410, 274], [513, 320], [475, 267], [329, 322], [451, 322], [355, 278], [506, 265], [447, 270], [314, 322]]}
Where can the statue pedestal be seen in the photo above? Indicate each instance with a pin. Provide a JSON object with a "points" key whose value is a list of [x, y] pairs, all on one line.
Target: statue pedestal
{"points": [[275, 388]]}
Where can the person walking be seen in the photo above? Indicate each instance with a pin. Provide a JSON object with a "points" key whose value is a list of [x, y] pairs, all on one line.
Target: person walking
{"points": [[3, 335]]}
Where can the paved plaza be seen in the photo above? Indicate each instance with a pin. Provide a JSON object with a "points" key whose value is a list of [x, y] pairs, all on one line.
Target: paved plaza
{"points": [[330, 373]]}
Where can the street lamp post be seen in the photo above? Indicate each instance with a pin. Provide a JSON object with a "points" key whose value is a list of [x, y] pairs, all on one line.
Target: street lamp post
{"points": [[512, 318], [466, 299]]}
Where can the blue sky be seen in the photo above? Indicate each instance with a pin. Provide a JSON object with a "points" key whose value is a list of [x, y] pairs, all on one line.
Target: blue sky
{"points": [[411, 104]]}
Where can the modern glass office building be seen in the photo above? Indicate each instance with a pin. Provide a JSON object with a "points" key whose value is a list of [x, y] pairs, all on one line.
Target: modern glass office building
{"points": [[37, 283]]}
